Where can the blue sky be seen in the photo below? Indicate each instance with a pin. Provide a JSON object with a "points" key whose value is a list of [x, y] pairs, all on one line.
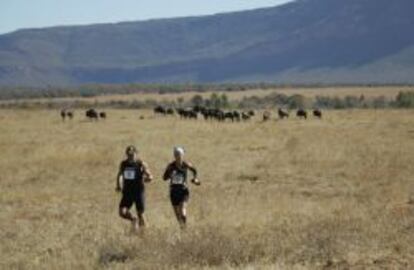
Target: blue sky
{"points": [[17, 14]]}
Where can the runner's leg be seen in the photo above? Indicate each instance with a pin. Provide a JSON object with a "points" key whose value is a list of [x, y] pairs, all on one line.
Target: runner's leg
{"points": [[126, 214], [183, 213], [124, 209]]}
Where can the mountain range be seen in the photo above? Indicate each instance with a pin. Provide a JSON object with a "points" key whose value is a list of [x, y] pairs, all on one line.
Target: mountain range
{"points": [[304, 41]]}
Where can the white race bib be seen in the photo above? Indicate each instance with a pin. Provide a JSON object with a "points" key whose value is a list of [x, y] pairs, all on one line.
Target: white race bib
{"points": [[177, 179], [129, 174]]}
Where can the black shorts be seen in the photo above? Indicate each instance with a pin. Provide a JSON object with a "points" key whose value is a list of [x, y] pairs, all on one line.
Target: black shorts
{"points": [[129, 198], [179, 194]]}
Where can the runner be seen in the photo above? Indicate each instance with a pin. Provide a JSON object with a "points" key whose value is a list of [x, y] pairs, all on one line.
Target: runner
{"points": [[176, 172], [132, 174]]}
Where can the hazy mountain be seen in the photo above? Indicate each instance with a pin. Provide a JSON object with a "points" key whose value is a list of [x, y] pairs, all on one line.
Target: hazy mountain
{"points": [[304, 41]]}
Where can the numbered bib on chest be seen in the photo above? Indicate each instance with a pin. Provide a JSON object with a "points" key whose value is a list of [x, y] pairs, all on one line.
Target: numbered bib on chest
{"points": [[130, 174], [177, 179]]}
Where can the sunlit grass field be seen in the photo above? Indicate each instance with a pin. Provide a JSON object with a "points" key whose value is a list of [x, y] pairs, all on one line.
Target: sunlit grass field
{"points": [[336, 193]]}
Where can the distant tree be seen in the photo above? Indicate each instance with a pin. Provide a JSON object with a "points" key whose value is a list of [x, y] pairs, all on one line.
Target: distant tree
{"points": [[180, 101], [215, 101], [224, 101], [296, 101], [405, 100], [197, 100]]}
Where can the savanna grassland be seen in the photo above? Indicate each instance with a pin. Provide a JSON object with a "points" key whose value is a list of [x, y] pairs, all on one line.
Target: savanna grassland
{"points": [[336, 193]]}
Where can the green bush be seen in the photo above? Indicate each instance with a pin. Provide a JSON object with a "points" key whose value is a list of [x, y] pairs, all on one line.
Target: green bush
{"points": [[405, 100]]}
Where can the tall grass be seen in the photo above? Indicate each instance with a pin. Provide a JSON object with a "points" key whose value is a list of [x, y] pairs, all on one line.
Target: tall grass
{"points": [[333, 194]]}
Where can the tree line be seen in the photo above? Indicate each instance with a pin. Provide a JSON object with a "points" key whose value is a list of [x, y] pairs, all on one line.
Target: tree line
{"points": [[220, 100], [94, 90]]}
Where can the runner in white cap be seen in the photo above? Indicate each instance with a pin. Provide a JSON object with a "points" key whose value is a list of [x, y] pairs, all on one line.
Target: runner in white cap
{"points": [[176, 172]]}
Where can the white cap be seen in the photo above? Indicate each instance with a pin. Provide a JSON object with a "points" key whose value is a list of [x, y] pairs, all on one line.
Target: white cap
{"points": [[178, 150]]}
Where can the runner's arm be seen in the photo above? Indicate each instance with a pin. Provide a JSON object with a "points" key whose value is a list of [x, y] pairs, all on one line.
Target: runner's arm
{"points": [[167, 173], [147, 173], [195, 174], [119, 179]]}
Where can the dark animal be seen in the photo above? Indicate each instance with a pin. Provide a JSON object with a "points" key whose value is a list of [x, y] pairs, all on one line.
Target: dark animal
{"points": [[282, 113], [317, 113], [246, 116], [206, 114], [187, 113], [102, 115], [301, 113], [219, 115], [229, 115], [236, 115], [180, 112], [160, 110], [169, 111], [198, 109], [70, 114], [233, 116], [63, 114], [251, 113], [92, 114], [212, 114], [266, 116], [192, 115]]}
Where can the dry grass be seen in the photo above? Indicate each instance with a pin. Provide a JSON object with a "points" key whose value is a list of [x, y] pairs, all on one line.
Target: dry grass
{"points": [[330, 194]]}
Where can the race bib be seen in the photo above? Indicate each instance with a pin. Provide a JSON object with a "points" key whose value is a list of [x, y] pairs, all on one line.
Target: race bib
{"points": [[177, 179], [129, 174]]}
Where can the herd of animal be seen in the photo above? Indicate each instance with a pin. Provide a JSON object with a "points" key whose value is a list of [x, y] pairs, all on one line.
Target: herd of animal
{"points": [[301, 113], [91, 114], [200, 111], [221, 115], [208, 114]]}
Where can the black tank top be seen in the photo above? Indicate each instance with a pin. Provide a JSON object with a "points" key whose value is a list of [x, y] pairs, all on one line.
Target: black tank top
{"points": [[132, 173], [178, 175]]}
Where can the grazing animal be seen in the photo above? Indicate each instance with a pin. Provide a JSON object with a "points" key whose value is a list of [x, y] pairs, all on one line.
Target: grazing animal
{"points": [[187, 113], [229, 115], [169, 111], [102, 115], [236, 116], [317, 113], [251, 113], [233, 116], [301, 113], [219, 115], [198, 109], [213, 114], [160, 110], [181, 112], [246, 116], [192, 115], [282, 113], [63, 114], [92, 114], [266, 116], [70, 114]]}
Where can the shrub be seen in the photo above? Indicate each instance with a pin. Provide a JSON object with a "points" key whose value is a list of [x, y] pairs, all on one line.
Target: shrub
{"points": [[405, 100]]}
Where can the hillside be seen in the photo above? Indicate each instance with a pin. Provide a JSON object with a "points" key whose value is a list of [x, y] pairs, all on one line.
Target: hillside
{"points": [[305, 41]]}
